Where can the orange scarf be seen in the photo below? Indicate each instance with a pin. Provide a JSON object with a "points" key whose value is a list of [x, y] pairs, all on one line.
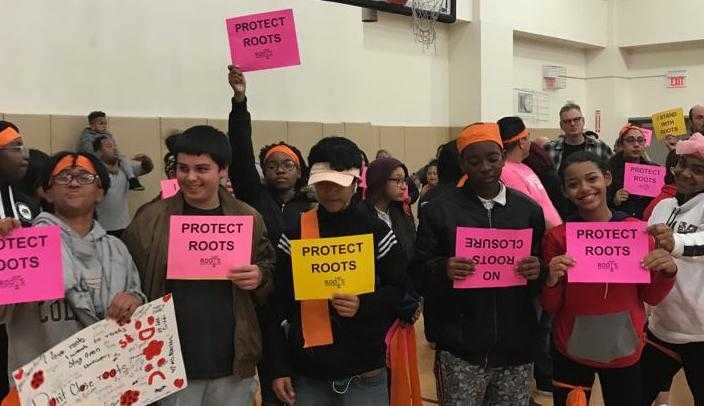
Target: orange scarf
{"points": [[315, 314], [577, 395], [402, 359], [12, 398]]}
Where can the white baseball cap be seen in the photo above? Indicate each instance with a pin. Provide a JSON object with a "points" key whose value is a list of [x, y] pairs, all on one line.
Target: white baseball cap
{"points": [[322, 172]]}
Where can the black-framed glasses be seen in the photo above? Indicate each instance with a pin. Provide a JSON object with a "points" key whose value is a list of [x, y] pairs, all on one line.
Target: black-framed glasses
{"points": [[397, 181], [634, 140], [287, 164], [82, 178]]}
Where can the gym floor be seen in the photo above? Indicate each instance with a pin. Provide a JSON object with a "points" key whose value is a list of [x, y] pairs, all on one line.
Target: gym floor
{"points": [[679, 396]]}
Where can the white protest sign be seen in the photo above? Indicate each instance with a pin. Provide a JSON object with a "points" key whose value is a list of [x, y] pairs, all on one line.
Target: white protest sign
{"points": [[108, 364]]}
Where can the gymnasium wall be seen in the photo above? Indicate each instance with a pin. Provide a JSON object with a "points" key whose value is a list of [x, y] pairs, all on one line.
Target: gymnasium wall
{"points": [[52, 133], [162, 58]]}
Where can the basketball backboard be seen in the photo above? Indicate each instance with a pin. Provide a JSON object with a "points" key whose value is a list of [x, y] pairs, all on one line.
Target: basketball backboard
{"points": [[447, 10]]}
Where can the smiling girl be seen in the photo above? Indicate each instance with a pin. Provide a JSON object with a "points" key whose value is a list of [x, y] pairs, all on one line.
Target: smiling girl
{"points": [[616, 311]]}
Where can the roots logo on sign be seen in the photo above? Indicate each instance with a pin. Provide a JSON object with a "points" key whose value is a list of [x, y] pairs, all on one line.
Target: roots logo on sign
{"points": [[213, 261], [15, 283], [610, 266]]}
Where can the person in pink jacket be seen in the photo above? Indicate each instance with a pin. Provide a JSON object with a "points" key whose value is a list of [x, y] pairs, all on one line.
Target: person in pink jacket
{"points": [[519, 176]]}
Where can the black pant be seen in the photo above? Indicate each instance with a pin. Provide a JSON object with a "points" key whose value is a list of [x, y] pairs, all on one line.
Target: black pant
{"points": [[620, 386], [4, 382], [659, 368], [542, 366]]}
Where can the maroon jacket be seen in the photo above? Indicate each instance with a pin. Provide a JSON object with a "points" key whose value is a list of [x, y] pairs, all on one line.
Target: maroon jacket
{"points": [[599, 324]]}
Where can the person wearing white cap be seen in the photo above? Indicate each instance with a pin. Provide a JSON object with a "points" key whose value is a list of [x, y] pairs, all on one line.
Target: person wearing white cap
{"points": [[335, 355]]}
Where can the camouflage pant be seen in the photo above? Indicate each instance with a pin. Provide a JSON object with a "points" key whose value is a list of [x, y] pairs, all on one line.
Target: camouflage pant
{"points": [[463, 384]]}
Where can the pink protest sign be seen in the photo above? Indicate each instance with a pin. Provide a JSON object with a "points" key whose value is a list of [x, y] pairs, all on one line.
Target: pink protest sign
{"points": [[31, 266], [208, 247], [496, 254], [643, 180], [608, 252], [263, 41], [648, 135], [169, 187]]}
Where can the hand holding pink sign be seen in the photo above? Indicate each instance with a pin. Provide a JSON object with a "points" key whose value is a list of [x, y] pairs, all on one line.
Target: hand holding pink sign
{"points": [[169, 187], [495, 253], [263, 41], [643, 180], [608, 252], [648, 135], [31, 267], [208, 247]]}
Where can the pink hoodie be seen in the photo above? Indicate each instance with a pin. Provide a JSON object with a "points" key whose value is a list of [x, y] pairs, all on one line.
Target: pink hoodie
{"points": [[520, 177]]}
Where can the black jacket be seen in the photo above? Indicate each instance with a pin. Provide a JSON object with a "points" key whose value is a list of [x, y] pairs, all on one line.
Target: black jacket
{"points": [[247, 184], [402, 225], [18, 205], [358, 341], [491, 327], [634, 206]]}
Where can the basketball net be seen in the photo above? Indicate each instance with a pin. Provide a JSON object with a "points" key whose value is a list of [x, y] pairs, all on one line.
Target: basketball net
{"points": [[425, 18]]}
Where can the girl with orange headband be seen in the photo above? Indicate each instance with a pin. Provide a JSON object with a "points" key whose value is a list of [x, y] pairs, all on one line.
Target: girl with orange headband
{"points": [[16, 208], [631, 149], [278, 196], [100, 278]]}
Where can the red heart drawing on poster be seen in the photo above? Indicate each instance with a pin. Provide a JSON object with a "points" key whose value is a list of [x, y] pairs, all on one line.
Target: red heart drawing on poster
{"points": [[178, 383], [19, 374], [167, 297]]}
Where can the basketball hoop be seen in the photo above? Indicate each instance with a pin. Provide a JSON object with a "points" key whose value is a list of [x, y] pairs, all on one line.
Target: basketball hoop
{"points": [[425, 18]]}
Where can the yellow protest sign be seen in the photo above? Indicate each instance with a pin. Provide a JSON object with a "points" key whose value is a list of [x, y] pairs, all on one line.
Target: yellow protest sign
{"points": [[669, 122], [324, 266]]}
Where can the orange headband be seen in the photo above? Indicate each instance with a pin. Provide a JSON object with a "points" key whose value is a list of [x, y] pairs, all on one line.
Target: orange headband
{"points": [[71, 161], [477, 133], [519, 136], [8, 135], [284, 150], [626, 128]]}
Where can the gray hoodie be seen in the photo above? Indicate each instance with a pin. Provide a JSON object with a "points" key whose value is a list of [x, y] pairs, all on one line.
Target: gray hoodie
{"points": [[88, 136], [96, 268]]}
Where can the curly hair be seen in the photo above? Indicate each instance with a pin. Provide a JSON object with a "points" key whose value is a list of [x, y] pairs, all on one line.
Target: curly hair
{"points": [[305, 171], [340, 152]]}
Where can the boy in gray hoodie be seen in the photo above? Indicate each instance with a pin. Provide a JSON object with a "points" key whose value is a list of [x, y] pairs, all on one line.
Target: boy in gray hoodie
{"points": [[100, 278]]}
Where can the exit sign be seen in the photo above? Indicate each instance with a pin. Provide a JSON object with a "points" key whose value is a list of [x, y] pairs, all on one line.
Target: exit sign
{"points": [[676, 79]]}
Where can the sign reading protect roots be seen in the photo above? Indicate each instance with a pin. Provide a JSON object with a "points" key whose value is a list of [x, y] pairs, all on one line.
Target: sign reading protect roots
{"points": [[208, 247], [608, 252], [325, 266]]}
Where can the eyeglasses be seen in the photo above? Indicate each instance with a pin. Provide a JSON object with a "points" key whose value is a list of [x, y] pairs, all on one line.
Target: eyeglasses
{"points": [[575, 120], [398, 181], [287, 164], [17, 149], [634, 140], [82, 178]]}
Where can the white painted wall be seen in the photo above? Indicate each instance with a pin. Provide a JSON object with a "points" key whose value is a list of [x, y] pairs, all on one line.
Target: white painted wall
{"points": [[168, 58], [645, 22], [583, 21], [529, 57], [649, 94]]}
